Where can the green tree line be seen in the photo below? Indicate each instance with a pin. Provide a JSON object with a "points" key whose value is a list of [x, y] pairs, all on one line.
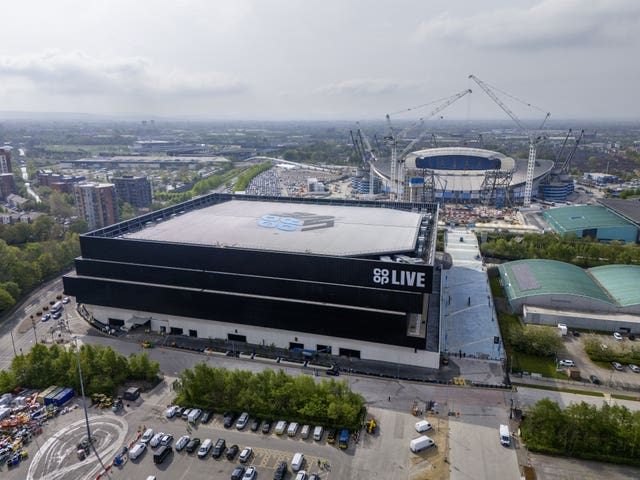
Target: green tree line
{"points": [[608, 433], [30, 254], [623, 352], [582, 252], [245, 178], [103, 369], [270, 394], [201, 187]]}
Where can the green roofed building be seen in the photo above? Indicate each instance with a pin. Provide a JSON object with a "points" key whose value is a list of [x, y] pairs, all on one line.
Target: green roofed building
{"points": [[593, 221]]}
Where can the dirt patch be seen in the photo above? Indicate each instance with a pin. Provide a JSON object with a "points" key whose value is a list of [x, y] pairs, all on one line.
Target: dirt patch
{"points": [[431, 464]]}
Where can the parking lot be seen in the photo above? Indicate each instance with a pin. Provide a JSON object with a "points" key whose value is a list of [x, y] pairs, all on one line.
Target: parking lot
{"points": [[53, 455]]}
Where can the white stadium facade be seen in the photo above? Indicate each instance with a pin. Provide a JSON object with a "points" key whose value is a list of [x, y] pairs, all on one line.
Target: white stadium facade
{"points": [[463, 175]]}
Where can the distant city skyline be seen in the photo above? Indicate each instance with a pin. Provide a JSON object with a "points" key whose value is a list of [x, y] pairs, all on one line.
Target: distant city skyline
{"points": [[320, 60]]}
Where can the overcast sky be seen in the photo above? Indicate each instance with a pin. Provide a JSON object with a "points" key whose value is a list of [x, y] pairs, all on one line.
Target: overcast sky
{"points": [[320, 59]]}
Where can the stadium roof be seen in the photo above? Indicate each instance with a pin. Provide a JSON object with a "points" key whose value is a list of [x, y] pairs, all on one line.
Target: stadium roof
{"points": [[291, 227], [629, 209], [576, 218], [621, 281], [548, 277]]}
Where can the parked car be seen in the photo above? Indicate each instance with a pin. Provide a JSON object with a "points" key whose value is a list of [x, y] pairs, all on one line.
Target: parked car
{"points": [[281, 471], [137, 450], [617, 336], [567, 363], [155, 441], [331, 435], [204, 448], [166, 439], [243, 419], [171, 411], [595, 380], [250, 474], [281, 427], [237, 473], [255, 425], [293, 429], [266, 426], [182, 442], [228, 419], [302, 475], [617, 366], [634, 368], [45, 317], [206, 416], [219, 448], [245, 454], [232, 452], [193, 445]]}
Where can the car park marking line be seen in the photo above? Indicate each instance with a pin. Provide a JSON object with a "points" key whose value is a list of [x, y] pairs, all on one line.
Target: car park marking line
{"points": [[57, 448]]}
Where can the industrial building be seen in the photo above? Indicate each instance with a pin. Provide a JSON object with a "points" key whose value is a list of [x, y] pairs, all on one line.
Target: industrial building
{"points": [[96, 203], [346, 277], [627, 209], [595, 221], [548, 292]]}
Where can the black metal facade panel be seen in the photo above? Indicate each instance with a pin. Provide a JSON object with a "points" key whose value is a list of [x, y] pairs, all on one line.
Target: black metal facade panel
{"points": [[266, 286], [324, 269], [245, 310]]}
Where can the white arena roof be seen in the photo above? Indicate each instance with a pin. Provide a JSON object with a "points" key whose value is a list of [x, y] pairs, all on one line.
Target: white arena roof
{"points": [[291, 227]]}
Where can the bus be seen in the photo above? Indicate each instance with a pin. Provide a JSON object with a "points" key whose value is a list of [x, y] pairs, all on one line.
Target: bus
{"points": [[56, 307]]}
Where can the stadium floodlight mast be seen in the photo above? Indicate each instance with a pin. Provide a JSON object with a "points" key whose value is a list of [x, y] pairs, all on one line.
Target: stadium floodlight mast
{"points": [[534, 137]]}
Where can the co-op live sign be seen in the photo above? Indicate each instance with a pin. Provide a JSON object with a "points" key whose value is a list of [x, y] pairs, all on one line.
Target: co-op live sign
{"points": [[402, 278]]}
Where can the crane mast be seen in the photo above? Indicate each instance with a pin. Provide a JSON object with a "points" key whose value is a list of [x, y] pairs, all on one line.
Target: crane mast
{"points": [[398, 160], [533, 138]]}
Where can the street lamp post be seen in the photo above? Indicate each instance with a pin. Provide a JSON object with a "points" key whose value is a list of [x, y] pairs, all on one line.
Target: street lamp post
{"points": [[84, 407], [33, 323], [13, 344]]}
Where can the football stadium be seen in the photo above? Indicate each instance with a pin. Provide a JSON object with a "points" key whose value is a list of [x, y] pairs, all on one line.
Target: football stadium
{"points": [[347, 277], [465, 175]]}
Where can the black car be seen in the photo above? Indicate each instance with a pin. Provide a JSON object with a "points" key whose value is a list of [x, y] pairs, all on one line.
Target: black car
{"points": [[266, 426], [228, 419], [334, 371], [206, 416], [237, 473], [595, 380], [232, 452], [281, 471], [218, 448], [331, 435], [255, 425], [193, 445]]}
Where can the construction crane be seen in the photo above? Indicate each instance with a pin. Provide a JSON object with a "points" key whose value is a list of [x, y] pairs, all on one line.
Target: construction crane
{"points": [[533, 137], [398, 160], [564, 168]]}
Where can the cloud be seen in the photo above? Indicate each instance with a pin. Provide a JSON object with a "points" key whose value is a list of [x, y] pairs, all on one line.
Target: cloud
{"points": [[547, 24], [365, 87], [77, 73]]}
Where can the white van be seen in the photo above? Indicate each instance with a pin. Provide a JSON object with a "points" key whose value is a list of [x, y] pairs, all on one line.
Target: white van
{"points": [[304, 433], [281, 427], [505, 436], [194, 415], [423, 426], [298, 460], [317, 433], [137, 450], [204, 448], [293, 429], [147, 436]]}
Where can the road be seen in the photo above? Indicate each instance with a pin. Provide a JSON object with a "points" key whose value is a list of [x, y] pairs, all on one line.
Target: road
{"points": [[25, 176]]}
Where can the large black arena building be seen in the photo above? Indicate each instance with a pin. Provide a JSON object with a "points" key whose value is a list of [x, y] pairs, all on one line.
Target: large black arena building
{"points": [[348, 277]]}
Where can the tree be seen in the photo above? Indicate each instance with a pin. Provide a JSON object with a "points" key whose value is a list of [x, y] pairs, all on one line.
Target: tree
{"points": [[79, 226], [6, 300], [61, 205]]}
